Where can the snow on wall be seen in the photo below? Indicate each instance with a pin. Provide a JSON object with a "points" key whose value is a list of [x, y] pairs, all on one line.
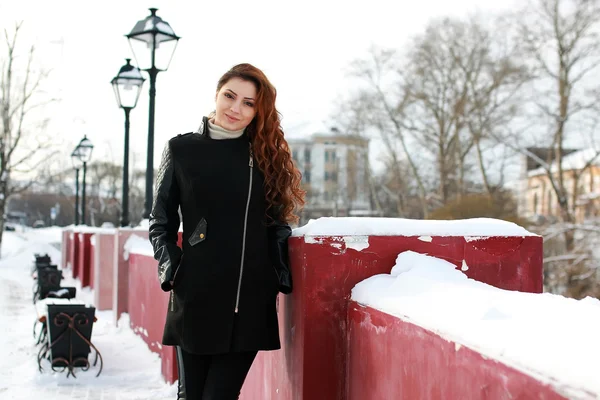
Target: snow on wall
{"points": [[352, 226], [138, 245], [547, 336]]}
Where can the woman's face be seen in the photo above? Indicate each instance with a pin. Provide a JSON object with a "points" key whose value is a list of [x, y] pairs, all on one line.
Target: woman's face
{"points": [[235, 104]]}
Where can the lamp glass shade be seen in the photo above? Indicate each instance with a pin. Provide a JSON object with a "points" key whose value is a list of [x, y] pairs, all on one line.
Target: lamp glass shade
{"points": [[85, 148], [153, 42], [127, 85], [76, 159]]}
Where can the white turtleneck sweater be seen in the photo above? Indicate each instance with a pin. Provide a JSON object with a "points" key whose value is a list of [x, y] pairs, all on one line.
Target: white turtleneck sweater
{"points": [[219, 133]]}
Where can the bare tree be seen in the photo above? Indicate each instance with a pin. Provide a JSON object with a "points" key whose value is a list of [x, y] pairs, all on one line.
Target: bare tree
{"points": [[562, 41], [495, 75], [22, 141], [437, 103], [385, 98], [466, 83]]}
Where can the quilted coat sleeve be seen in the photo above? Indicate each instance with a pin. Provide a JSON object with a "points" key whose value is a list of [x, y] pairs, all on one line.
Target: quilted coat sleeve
{"points": [[164, 220], [278, 234]]}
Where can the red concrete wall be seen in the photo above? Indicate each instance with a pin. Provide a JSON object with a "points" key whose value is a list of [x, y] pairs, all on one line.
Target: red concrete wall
{"points": [[120, 296], [65, 249], [279, 374], [389, 358], [83, 262], [147, 307], [103, 278], [148, 310], [313, 319]]}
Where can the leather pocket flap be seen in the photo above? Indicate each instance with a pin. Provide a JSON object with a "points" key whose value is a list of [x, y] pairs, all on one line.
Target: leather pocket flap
{"points": [[199, 234]]}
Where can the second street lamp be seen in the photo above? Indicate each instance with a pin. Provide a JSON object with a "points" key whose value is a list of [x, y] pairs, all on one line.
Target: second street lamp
{"points": [[153, 44], [77, 164], [127, 85], [84, 151]]}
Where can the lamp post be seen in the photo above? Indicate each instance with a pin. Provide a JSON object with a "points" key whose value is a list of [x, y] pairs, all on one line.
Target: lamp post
{"points": [[153, 44], [84, 152], [127, 86], [77, 164]]}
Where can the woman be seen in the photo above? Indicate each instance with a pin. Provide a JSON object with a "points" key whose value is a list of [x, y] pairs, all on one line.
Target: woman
{"points": [[237, 188]]}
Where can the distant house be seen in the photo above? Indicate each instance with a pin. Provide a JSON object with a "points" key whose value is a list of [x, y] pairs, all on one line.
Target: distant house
{"points": [[334, 170], [581, 177]]}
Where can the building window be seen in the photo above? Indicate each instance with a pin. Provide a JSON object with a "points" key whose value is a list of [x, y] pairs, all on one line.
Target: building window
{"points": [[326, 175], [334, 176], [306, 176], [333, 155], [295, 155], [307, 155], [326, 156]]}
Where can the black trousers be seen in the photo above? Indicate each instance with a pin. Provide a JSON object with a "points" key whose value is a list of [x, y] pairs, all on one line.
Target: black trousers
{"points": [[212, 377]]}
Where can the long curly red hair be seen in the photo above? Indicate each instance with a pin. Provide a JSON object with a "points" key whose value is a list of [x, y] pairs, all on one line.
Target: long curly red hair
{"points": [[271, 150]]}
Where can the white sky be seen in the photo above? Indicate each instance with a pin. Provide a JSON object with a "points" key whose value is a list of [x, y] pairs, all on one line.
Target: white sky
{"points": [[303, 48]]}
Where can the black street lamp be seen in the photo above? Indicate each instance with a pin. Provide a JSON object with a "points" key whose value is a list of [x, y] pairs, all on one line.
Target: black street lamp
{"points": [[127, 85], [84, 152], [153, 44], [77, 164]]}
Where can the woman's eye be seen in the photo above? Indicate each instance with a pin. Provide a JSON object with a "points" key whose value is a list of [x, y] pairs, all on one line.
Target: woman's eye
{"points": [[228, 95], [249, 104]]}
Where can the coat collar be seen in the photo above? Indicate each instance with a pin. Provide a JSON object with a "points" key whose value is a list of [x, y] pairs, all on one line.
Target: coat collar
{"points": [[203, 128]]}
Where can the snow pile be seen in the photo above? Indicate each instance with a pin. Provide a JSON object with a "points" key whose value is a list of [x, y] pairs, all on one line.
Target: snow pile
{"points": [[131, 370], [138, 245], [551, 337], [352, 226], [93, 229]]}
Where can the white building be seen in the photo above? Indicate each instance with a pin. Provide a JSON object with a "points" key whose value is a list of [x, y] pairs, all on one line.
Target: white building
{"points": [[335, 170]]}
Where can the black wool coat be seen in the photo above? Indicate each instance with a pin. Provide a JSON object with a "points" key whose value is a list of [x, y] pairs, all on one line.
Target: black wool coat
{"points": [[224, 290]]}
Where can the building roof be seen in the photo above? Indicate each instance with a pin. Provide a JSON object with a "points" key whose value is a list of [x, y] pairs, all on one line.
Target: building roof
{"points": [[331, 134], [576, 160], [545, 153]]}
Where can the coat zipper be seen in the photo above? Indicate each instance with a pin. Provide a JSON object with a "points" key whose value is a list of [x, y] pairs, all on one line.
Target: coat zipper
{"points": [[172, 292], [251, 164]]}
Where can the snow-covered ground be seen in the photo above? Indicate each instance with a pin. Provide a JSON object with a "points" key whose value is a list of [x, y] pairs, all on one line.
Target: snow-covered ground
{"points": [[553, 338], [130, 371]]}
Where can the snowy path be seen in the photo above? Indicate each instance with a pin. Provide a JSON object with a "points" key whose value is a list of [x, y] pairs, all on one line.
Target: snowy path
{"points": [[130, 371]]}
